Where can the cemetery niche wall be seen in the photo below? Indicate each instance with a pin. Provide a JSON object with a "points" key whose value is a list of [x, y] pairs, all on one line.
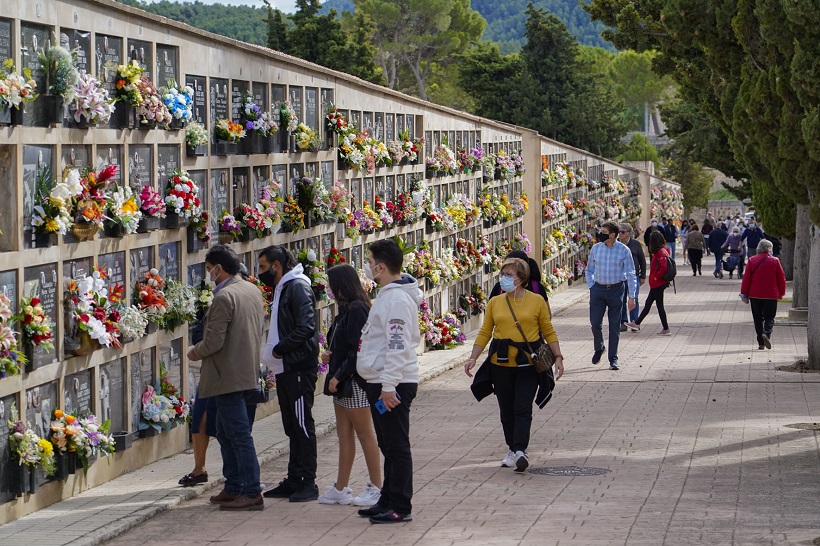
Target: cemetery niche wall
{"points": [[168, 140]]}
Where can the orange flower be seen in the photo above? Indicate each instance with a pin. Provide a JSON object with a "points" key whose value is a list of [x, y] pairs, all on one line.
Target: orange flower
{"points": [[70, 419], [58, 414]]}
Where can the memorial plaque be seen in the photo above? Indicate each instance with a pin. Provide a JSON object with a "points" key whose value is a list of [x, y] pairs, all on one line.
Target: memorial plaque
{"points": [[356, 193], [35, 158], [380, 187], [326, 97], [378, 126], [260, 95], [219, 99], [167, 65], [77, 393], [241, 186], [199, 103], [108, 55], [72, 270], [33, 38], [280, 175], [75, 156], [114, 265], [312, 107], [451, 136], [297, 172], [327, 173], [6, 43], [169, 264], [110, 155], [278, 95], [368, 122], [297, 246], [238, 88], [112, 395], [411, 238], [459, 141], [41, 401], [138, 387], [399, 124], [196, 273], [6, 468], [167, 164], [346, 255], [142, 260], [400, 185], [140, 167], [200, 178], [327, 245], [295, 94], [411, 126], [42, 281], [389, 127], [141, 51], [79, 41], [8, 287], [220, 193], [313, 244], [356, 257], [259, 180], [428, 137], [356, 119], [170, 359]]}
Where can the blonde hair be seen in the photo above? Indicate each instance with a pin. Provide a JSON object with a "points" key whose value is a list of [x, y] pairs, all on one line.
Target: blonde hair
{"points": [[522, 268]]}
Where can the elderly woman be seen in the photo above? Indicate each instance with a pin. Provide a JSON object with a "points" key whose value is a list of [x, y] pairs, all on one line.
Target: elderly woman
{"points": [[694, 246], [763, 284], [508, 370], [737, 253]]}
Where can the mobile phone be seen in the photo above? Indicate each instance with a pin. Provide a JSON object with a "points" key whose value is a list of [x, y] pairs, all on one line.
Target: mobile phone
{"points": [[380, 407]]}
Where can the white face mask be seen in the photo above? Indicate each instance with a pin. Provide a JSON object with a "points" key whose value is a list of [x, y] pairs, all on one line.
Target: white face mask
{"points": [[368, 272]]}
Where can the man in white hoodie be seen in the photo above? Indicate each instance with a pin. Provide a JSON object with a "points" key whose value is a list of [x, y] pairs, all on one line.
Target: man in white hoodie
{"points": [[387, 361], [292, 353]]}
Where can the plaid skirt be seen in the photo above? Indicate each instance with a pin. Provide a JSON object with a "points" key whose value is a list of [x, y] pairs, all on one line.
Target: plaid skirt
{"points": [[358, 400]]}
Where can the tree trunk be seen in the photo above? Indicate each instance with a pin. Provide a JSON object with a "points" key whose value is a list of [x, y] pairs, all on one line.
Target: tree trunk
{"points": [[802, 253], [787, 257], [814, 299]]}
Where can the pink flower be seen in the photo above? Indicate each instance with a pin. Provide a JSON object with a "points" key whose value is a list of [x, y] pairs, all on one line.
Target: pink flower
{"points": [[147, 395]]}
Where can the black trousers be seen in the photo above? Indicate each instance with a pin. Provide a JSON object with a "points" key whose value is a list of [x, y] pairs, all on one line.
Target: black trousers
{"points": [[295, 392], [695, 259], [763, 312], [515, 390], [393, 435], [655, 296]]}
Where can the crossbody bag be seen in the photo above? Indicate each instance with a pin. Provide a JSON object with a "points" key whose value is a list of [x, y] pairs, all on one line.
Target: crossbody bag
{"points": [[542, 359]]}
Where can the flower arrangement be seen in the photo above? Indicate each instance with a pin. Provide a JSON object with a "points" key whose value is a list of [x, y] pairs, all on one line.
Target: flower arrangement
{"points": [[94, 309], [339, 201], [150, 202], [351, 150], [450, 332], [518, 163], [436, 220], [15, 89], [229, 225], [287, 116], [182, 196], [90, 203], [121, 208], [91, 103], [504, 165], [306, 138], [470, 160], [253, 119], [59, 69], [269, 202], [201, 225], [158, 412], [336, 122], [315, 271], [53, 202], [323, 367], [67, 434], [335, 257], [204, 298], [10, 357], [85, 436], [182, 409], [443, 160], [266, 291], [292, 216], [367, 218], [405, 148], [267, 379], [479, 298], [179, 101], [251, 218], [38, 331], [522, 242], [383, 210], [149, 296], [127, 83], [133, 323], [229, 131], [196, 135], [26, 447], [152, 109]]}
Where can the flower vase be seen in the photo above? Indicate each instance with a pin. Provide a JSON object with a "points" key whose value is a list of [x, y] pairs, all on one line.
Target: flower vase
{"points": [[84, 231], [87, 345], [124, 117], [71, 461], [33, 480], [224, 148], [44, 240], [247, 235], [487, 222], [10, 115], [19, 479], [247, 144], [195, 244], [30, 351], [84, 124], [225, 238], [176, 124], [151, 328], [175, 221], [146, 124], [284, 137], [114, 229], [148, 224], [486, 269], [52, 109], [122, 441], [148, 432], [196, 151]]}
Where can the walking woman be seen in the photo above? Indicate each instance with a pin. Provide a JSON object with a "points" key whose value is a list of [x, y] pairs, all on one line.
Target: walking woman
{"points": [[508, 370], [349, 399], [657, 269], [763, 284], [695, 245]]}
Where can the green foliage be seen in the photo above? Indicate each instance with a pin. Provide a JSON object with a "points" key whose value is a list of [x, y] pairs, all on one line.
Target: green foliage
{"points": [[640, 149], [277, 30], [722, 194], [694, 179]]}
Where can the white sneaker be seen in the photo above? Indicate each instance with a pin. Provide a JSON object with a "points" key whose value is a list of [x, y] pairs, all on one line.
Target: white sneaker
{"points": [[509, 460], [521, 462], [334, 496], [369, 496]]}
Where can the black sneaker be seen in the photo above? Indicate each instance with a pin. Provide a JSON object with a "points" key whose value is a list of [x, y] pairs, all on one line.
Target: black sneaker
{"points": [[596, 358], [391, 516], [284, 490], [308, 492], [767, 341], [371, 511]]}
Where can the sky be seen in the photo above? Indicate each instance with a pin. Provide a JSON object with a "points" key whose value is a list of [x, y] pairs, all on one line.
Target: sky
{"points": [[286, 6]]}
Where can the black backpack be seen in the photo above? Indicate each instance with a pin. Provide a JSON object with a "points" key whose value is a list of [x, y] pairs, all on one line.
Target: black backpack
{"points": [[671, 269]]}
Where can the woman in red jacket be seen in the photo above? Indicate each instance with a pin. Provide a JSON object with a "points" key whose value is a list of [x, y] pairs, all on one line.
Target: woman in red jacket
{"points": [[763, 284], [657, 269]]}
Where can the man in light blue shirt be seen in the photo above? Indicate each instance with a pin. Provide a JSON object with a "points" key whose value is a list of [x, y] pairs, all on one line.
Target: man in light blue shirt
{"points": [[610, 271]]}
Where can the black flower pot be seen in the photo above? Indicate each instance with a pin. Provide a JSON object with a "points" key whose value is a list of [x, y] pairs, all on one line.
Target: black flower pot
{"points": [[11, 116], [147, 124], [123, 440], [114, 229], [264, 145], [284, 139], [148, 224], [71, 461], [148, 432], [225, 148], [33, 480], [31, 352], [196, 151], [175, 221], [247, 144], [44, 240], [151, 328], [176, 124], [52, 109], [124, 117], [19, 478], [195, 244]]}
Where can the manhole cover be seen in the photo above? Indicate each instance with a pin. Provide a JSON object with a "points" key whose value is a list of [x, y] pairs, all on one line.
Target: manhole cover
{"points": [[805, 426], [568, 471]]}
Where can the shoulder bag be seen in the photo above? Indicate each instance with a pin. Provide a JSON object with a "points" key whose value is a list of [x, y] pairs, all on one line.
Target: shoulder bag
{"points": [[542, 359]]}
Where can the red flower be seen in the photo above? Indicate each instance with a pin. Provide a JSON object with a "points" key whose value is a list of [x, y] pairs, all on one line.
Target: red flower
{"points": [[35, 301]]}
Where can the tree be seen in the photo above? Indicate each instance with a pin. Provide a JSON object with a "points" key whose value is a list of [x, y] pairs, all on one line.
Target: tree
{"points": [[277, 29], [640, 149], [695, 181]]}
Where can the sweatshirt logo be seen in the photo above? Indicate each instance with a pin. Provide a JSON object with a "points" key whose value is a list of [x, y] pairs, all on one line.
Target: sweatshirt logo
{"points": [[396, 342]]}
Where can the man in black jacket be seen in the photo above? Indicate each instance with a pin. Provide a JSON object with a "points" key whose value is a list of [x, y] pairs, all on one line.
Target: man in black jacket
{"points": [[670, 233], [639, 258], [292, 353], [717, 237]]}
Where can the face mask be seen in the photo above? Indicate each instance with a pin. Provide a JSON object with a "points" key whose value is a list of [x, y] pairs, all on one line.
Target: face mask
{"points": [[369, 272], [211, 278], [654, 224], [330, 294], [507, 284], [751, 226], [602, 238], [268, 277]]}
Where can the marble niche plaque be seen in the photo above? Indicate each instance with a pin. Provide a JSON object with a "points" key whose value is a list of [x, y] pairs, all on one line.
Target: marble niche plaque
{"points": [[279, 173], [142, 260], [75, 156], [40, 402], [399, 124], [142, 375], [327, 173], [241, 186], [80, 41], [219, 99], [6, 40], [112, 395], [297, 172], [114, 265], [141, 51], [238, 89], [410, 126], [278, 94], [140, 166], [368, 122], [35, 160], [167, 164], [220, 195], [170, 359], [167, 64], [312, 107], [110, 155], [326, 98], [327, 245], [200, 178], [199, 104], [107, 57], [8, 287], [42, 281], [378, 126], [77, 393], [169, 261], [72, 270], [6, 468], [389, 127], [356, 257], [32, 39]]}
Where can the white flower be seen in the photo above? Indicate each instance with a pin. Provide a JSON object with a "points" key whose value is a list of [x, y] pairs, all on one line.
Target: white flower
{"points": [[311, 255], [73, 182]]}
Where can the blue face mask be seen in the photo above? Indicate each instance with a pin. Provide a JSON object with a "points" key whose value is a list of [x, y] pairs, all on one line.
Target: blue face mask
{"points": [[507, 284]]}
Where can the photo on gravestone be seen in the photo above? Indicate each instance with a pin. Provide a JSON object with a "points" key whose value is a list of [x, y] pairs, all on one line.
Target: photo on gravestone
{"points": [[142, 260], [77, 393], [169, 261], [33, 38], [107, 57], [238, 88], [378, 126], [167, 65], [389, 127], [140, 168], [220, 194], [73, 270], [37, 161], [114, 265], [312, 114], [196, 272], [141, 51], [6, 466], [199, 103], [41, 281], [112, 395], [241, 186]]}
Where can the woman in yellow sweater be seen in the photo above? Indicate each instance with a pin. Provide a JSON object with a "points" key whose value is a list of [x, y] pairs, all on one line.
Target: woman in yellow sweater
{"points": [[508, 368]]}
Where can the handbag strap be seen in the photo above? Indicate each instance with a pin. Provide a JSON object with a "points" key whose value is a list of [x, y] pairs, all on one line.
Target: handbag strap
{"points": [[758, 265], [507, 298]]}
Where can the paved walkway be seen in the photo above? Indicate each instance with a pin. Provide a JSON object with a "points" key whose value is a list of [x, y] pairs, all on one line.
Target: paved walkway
{"points": [[690, 433]]}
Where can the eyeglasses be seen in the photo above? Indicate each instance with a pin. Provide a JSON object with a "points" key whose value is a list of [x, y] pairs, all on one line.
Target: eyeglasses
{"points": [[623, 231]]}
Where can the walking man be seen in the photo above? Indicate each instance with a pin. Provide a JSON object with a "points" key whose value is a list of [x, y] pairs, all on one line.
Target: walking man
{"points": [[639, 259], [610, 271], [753, 234], [292, 353], [717, 237], [229, 351], [670, 232], [387, 361]]}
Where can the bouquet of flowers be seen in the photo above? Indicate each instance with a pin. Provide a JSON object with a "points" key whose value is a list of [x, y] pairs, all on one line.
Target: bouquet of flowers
{"points": [[152, 108], [133, 323], [201, 225], [179, 101], [339, 201], [267, 379], [59, 68], [522, 242], [229, 131], [315, 271], [10, 357], [518, 164], [91, 101], [181, 308], [90, 203], [122, 208], [204, 299], [268, 205], [335, 257], [182, 196], [94, 309], [267, 293], [85, 436], [336, 122], [351, 150], [14, 88], [158, 411], [228, 224], [251, 218], [149, 296], [127, 83], [97, 440], [479, 297], [67, 434], [443, 160], [196, 135], [306, 138], [53, 202], [182, 408], [470, 160], [292, 215], [150, 202], [450, 332], [27, 448], [38, 330], [254, 119], [287, 116]]}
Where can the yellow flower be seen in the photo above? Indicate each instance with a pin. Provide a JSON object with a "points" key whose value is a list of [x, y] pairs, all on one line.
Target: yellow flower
{"points": [[51, 226], [129, 207], [46, 446]]}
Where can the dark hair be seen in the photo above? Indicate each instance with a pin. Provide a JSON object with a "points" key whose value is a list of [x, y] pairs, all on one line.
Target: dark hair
{"points": [[656, 242], [387, 251], [695, 227], [612, 227], [225, 257], [520, 254], [276, 253], [535, 270], [346, 286]]}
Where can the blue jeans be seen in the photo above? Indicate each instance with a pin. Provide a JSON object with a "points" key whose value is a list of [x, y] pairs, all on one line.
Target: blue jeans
{"points": [[633, 315], [718, 261], [610, 301], [671, 246], [239, 463]]}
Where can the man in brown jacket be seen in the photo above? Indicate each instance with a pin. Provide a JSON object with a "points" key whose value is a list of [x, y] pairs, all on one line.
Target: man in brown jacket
{"points": [[229, 351]]}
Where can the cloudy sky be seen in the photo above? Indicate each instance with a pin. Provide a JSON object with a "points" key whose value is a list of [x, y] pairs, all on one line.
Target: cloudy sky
{"points": [[287, 6]]}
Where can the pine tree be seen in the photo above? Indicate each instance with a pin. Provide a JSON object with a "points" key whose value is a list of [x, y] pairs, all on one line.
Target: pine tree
{"points": [[277, 29]]}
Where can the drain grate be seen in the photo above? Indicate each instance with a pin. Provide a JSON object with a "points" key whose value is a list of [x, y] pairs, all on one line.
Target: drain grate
{"points": [[805, 426], [568, 471]]}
